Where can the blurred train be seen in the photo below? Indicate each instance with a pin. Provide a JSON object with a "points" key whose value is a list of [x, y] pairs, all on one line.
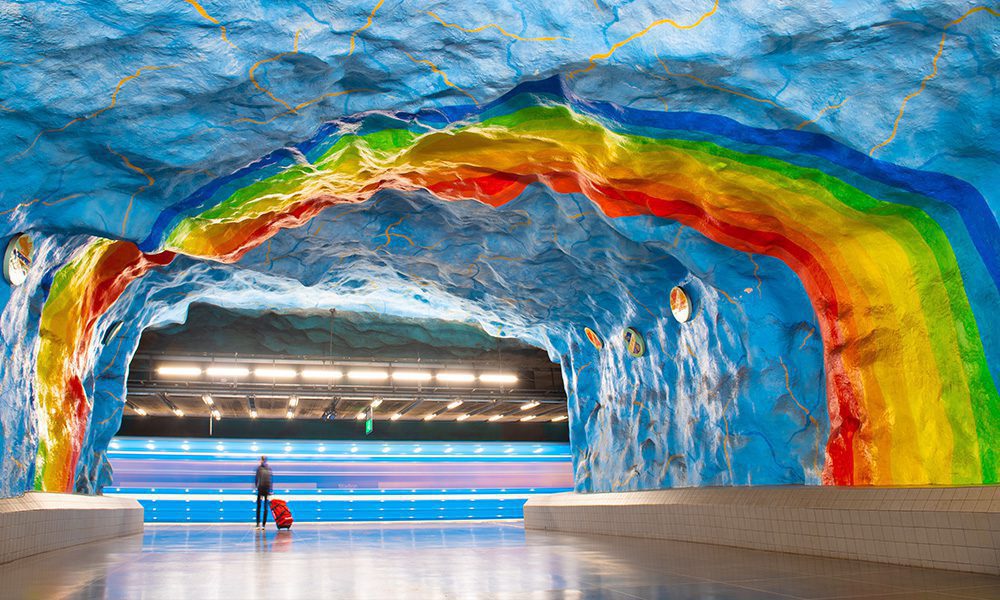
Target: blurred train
{"points": [[211, 480]]}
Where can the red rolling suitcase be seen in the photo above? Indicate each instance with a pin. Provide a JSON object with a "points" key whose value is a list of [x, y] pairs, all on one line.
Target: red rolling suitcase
{"points": [[282, 516]]}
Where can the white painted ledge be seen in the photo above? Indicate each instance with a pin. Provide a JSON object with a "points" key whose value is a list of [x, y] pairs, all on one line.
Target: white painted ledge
{"points": [[39, 522], [945, 528]]}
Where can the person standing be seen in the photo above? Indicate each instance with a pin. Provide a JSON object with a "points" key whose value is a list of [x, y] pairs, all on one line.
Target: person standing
{"points": [[263, 483]]}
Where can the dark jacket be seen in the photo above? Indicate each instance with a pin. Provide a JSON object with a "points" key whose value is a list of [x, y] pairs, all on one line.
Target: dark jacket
{"points": [[263, 479]]}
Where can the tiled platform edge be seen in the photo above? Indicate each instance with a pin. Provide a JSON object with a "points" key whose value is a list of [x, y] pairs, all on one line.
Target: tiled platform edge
{"points": [[38, 522], [945, 528]]}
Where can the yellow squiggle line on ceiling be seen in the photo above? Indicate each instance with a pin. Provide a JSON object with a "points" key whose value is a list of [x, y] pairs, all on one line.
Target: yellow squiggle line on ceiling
{"points": [[820, 114], [114, 102], [929, 76], [371, 19], [388, 233], [493, 26], [718, 88], [7, 63], [253, 80], [149, 179], [37, 200], [222, 28], [444, 77], [300, 106], [594, 58]]}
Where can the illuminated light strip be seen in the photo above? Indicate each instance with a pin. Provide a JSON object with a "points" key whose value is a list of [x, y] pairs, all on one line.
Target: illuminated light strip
{"points": [[401, 456], [178, 370], [275, 373], [321, 374], [327, 497], [412, 375], [368, 375]]}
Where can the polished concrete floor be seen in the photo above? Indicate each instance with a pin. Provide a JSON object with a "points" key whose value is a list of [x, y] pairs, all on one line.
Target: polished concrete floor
{"points": [[452, 560]]}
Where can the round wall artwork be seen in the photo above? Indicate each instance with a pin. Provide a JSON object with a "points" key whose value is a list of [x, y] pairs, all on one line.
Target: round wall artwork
{"points": [[593, 337], [634, 342], [680, 304], [17, 260]]}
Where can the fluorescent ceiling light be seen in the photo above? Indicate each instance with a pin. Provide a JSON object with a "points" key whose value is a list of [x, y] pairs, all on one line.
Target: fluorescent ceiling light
{"points": [[411, 375], [396, 417], [207, 399], [216, 414], [321, 374], [559, 418], [455, 404], [140, 410], [530, 405], [253, 414], [362, 415], [496, 418], [368, 374], [463, 417], [289, 415], [178, 412], [377, 402], [455, 377], [430, 417], [293, 401], [274, 373], [498, 378], [528, 418], [178, 370], [228, 371]]}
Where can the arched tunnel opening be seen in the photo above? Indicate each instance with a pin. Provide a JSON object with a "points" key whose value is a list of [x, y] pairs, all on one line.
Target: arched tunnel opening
{"points": [[646, 322]]}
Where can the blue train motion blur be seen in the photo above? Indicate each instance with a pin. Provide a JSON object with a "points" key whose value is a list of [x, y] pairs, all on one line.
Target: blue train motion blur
{"points": [[211, 480]]}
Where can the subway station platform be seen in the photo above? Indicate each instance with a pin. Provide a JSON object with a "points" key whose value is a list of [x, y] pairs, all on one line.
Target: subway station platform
{"points": [[460, 560]]}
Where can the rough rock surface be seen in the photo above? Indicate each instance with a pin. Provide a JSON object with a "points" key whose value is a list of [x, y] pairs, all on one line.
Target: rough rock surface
{"points": [[113, 114]]}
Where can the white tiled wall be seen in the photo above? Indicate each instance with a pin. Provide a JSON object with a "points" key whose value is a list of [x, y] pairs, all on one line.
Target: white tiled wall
{"points": [[946, 528], [38, 522]]}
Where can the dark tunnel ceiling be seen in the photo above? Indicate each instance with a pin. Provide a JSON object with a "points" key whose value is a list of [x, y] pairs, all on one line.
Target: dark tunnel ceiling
{"points": [[358, 340], [215, 330]]}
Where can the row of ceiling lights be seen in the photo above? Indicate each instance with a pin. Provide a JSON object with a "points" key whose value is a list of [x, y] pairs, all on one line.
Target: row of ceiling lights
{"points": [[293, 401], [317, 374]]}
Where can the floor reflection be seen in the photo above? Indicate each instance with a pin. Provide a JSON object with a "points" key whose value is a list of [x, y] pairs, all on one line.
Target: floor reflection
{"points": [[488, 560]]}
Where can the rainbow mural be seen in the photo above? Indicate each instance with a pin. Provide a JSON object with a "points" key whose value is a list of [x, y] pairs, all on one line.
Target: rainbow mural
{"points": [[902, 266]]}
